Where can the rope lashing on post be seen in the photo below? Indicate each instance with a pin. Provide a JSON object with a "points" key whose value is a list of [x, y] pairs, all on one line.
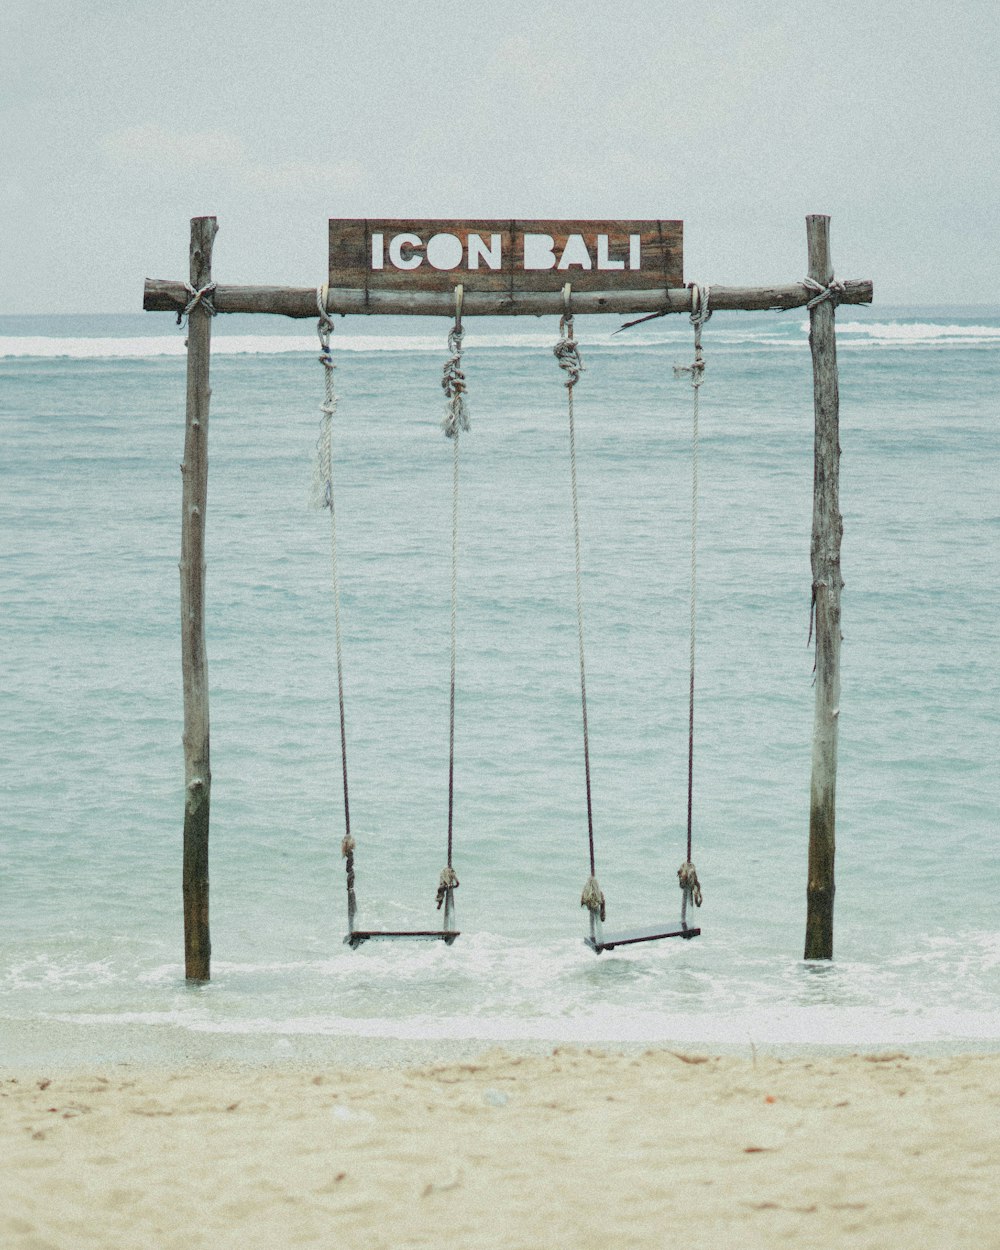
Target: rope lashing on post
{"points": [[323, 497], [202, 296], [832, 291], [700, 313], [567, 352]]}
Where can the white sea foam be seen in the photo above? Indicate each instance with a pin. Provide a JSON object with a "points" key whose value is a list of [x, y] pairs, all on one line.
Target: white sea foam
{"points": [[760, 331], [49, 972], [817, 1026], [488, 989], [917, 334], [144, 347], [160, 346]]}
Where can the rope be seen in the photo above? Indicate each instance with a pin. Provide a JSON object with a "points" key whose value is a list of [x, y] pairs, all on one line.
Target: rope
{"points": [[454, 640], [687, 878], [567, 352], [449, 881], [347, 851], [832, 291], [593, 898], [456, 412], [324, 497], [700, 313], [202, 296], [456, 419]]}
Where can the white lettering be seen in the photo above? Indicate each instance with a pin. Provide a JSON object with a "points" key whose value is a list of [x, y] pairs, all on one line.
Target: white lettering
{"points": [[444, 251], [396, 257], [538, 253], [479, 251], [575, 253], [604, 261], [449, 252]]}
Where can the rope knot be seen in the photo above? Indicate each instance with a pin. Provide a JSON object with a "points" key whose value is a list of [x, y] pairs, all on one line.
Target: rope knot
{"points": [[449, 881], [833, 291], [567, 352], [688, 879], [347, 846], [202, 296], [695, 370], [700, 313], [322, 487], [325, 321], [593, 899], [456, 413]]}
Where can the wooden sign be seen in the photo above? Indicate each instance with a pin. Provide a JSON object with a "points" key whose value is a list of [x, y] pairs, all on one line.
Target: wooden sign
{"points": [[504, 255]]}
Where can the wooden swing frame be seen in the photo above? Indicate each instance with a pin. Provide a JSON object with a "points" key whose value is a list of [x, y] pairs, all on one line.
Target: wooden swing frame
{"points": [[201, 298]]}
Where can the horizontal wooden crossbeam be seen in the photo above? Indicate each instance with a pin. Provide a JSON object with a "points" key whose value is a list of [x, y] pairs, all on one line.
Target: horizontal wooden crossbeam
{"points": [[163, 295]]}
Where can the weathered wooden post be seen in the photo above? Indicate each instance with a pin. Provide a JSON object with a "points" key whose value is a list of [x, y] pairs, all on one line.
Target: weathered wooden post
{"points": [[194, 495], [827, 529]]}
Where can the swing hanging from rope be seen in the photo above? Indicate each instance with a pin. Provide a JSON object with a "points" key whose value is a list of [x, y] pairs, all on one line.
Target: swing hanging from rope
{"points": [[456, 419], [568, 355]]}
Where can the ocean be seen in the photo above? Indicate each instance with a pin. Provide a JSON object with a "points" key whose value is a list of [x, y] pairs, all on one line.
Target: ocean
{"points": [[91, 954]]}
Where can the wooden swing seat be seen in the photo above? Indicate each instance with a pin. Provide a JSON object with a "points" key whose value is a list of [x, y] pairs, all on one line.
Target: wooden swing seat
{"points": [[357, 936], [632, 936]]}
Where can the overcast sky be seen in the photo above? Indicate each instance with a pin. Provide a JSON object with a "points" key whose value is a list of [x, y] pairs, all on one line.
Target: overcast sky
{"points": [[121, 119]]}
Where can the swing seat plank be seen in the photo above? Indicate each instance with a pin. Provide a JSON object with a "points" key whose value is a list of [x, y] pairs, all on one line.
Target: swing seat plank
{"points": [[633, 936], [355, 938]]}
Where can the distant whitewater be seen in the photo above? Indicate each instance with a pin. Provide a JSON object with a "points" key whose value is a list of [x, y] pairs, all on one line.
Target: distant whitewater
{"points": [[92, 778], [851, 334]]}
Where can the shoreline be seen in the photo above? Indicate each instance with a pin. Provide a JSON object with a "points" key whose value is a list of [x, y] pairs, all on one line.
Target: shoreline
{"points": [[575, 1147], [69, 1046]]}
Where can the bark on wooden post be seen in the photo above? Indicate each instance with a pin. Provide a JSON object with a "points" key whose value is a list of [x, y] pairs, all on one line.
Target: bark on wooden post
{"points": [[827, 529], [194, 476]]}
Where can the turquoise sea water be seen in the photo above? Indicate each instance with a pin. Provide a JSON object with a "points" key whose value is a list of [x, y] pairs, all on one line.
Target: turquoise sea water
{"points": [[91, 778]]}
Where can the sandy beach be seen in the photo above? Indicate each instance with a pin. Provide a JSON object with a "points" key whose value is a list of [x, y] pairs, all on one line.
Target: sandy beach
{"points": [[574, 1148]]}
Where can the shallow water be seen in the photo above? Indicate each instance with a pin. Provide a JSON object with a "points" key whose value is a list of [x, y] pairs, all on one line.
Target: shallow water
{"points": [[91, 411]]}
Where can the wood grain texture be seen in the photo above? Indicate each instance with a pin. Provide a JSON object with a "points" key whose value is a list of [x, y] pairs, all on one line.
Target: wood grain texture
{"points": [[169, 295], [827, 530], [194, 661], [661, 253]]}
